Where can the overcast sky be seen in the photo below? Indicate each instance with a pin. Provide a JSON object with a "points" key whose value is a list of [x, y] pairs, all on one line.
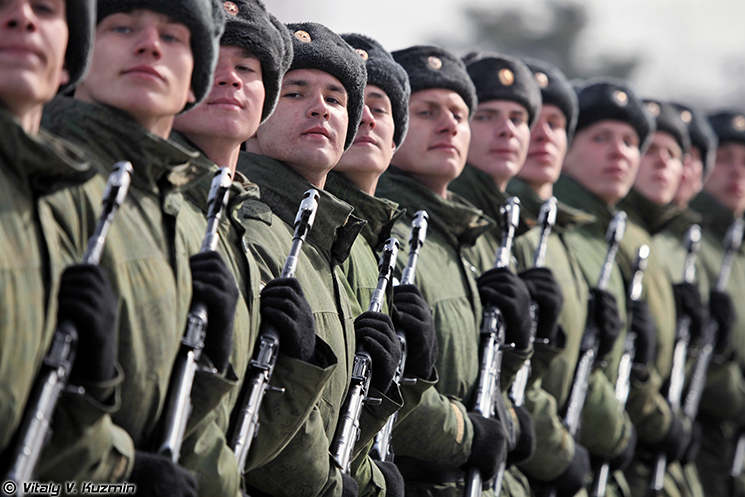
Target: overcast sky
{"points": [[691, 50]]}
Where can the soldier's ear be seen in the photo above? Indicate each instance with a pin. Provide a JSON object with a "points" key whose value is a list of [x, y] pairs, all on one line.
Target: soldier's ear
{"points": [[64, 77], [191, 98]]}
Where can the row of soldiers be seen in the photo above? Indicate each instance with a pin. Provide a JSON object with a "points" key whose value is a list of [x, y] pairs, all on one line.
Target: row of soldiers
{"points": [[334, 148]]}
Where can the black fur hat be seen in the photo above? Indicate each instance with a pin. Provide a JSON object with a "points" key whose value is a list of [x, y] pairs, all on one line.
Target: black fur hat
{"points": [[317, 47], [668, 119], [603, 99], [205, 21], [729, 126], [81, 24], [248, 25], [386, 73], [501, 77], [556, 90], [702, 136], [434, 67]]}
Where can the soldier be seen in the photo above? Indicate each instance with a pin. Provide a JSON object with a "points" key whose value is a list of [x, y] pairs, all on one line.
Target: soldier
{"points": [[721, 411], [319, 109], [560, 461], [152, 60]]}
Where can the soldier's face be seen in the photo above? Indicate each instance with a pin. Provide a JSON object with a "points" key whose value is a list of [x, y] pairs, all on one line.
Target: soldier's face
{"points": [[691, 181], [373, 146], [500, 137], [232, 111], [660, 169], [727, 180], [436, 145], [548, 146], [142, 64], [33, 41], [604, 158], [309, 126]]}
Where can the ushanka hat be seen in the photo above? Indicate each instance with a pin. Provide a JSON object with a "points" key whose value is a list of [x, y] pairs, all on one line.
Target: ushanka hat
{"points": [[556, 90], [205, 21], [317, 47], [702, 136], [81, 24], [729, 126], [248, 25], [667, 119], [602, 99], [501, 77], [389, 76], [434, 67]]}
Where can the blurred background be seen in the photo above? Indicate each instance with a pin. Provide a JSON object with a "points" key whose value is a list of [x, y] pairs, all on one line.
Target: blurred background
{"points": [[692, 51]]}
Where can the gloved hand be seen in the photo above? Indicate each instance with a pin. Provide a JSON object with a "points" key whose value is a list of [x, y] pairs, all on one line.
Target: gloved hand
{"points": [[674, 443], [688, 302], [412, 315], [214, 285], [622, 460], [504, 290], [394, 481], [489, 447], [646, 334], [375, 335], [87, 300], [694, 446], [284, 306], [607, 319], [723, 311], [576, 476], [526, 444], [546, 293], [157, 476], [349, 486]]}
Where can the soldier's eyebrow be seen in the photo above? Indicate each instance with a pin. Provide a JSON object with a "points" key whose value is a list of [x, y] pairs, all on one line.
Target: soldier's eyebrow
{"points": [[335, 87], [296, 82], [376, 94]]}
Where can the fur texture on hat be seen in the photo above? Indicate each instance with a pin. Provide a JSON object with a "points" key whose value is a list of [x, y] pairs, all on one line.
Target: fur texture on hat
{"points": [[729, 126], [602, 99], [702, 136], [317, 47], [668, 119], [434, 67], [205, 21], [556, 90], [81, 24], [389, 76], [501, 77], [248, 25]]}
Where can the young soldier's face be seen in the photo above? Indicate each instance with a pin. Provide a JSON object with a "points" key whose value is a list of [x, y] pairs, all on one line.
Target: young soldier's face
{"points": [[309, 126], [33, 41], [727, 180], [500, 136], [604, 158], [548, 146], [660, 169], [436, 145], [373, 146], [233, 108], [692, 179], [142, 64]]}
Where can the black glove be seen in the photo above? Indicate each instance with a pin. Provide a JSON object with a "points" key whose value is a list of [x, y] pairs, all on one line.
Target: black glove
{"points": [[489, 447], [674, 443], [394, 481], [412, 315], [691, 452], [87, 300], [283, 306], [546, 293], [607, 319], [525, 446], [214, 285], [158, 476], [576, 476], [504, 290], [376, 336], [622, 460], [723, 311], [349, 486], [688, 302], [646, 334]]}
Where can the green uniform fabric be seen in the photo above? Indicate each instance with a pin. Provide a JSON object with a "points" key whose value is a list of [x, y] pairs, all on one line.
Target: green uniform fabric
{"points": [[146, 258], [438, 433]]}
